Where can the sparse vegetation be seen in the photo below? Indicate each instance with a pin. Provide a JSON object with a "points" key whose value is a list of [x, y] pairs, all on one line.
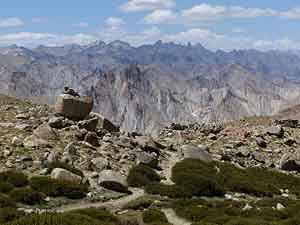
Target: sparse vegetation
{"points": [[140, 203], [27, 196], [142, 175], [5, 187], [154, 216], [227, 212], [55, 188], [15, 178], [8, 214], [198, 178]]}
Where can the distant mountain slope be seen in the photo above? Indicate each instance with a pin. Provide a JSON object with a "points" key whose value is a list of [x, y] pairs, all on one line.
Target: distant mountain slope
{"points": [[147, 87]]}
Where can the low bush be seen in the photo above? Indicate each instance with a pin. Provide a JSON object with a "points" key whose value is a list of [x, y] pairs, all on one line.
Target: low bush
{"points": [[206, 179], [172, 191], [245, 221], [57, 164], [56, 188], [102, 215], [5, 187], [58, 219], [142, 175], [227, 212], [27, 196], [154, 216], [140, 203], [15, 178], [9, 214], [5, 201]]}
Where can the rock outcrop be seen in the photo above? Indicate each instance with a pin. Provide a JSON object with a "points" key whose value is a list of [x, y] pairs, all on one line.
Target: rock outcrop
{"points": [[73, 107]]}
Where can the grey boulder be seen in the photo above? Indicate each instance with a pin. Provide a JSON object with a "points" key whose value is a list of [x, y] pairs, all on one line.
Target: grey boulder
{"points": [[74, 108], [196, 152]]}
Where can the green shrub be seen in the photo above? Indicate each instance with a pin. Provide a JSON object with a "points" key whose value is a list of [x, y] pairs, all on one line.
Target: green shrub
{"points": [[227, 212], [115, 186], [15, 178], [56, 188], [172, 191], [140, 203], [27, 196], [5, 187], [62, 165], [204, 178], [5, 201], [245, 221], [58, 219], [8, 214], [142, 175], [102, 215], [154, 216], [192, 186]]}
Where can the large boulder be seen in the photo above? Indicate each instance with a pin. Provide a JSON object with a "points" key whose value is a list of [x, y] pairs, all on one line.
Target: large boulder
{"points": [[112, 180], [89, 125], [147, 144], [46, 132], [92, 139], [196, 152], [99, 164], [72, 107], [62, 174], [275, 131], [288, 162], [104, 123], [34, 142]]}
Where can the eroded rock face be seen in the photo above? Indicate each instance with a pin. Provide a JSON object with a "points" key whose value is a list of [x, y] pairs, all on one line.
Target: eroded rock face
{"points": [[75, 108]]}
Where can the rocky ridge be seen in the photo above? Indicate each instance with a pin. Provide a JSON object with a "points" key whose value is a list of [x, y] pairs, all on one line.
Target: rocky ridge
{"points": [[143, 89]]}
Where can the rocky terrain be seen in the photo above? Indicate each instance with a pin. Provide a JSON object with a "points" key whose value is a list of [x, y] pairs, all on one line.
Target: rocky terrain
{"points": [[82, 169], [143, 89]]}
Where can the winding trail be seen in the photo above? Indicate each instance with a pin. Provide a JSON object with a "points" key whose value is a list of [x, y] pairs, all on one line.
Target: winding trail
{"points": [[173, 218], [113, 205], [172, 159]]}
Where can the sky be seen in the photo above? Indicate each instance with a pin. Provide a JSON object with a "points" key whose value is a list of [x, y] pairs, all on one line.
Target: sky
{"points": [[216, 24]]}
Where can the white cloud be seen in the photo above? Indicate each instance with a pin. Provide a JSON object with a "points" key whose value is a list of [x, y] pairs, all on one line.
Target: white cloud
{"points": [[248, 13], [82, 25], [33, 39], [206, 12], [146, 5], [114, 22], [11, 22], [195, 35], [293, 14], [161, 16], [147, 36]]}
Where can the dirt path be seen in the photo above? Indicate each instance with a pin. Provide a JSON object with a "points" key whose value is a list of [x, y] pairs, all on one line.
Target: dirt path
{"points": [[168, 164], [112, 205], [173, 218]]}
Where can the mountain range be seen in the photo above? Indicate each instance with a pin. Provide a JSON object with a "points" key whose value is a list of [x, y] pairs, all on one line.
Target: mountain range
{"points": [[148, 87]]}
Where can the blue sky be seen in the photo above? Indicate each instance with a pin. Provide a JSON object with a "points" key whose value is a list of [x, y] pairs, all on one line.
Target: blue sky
{"points": [[225, 24]]}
